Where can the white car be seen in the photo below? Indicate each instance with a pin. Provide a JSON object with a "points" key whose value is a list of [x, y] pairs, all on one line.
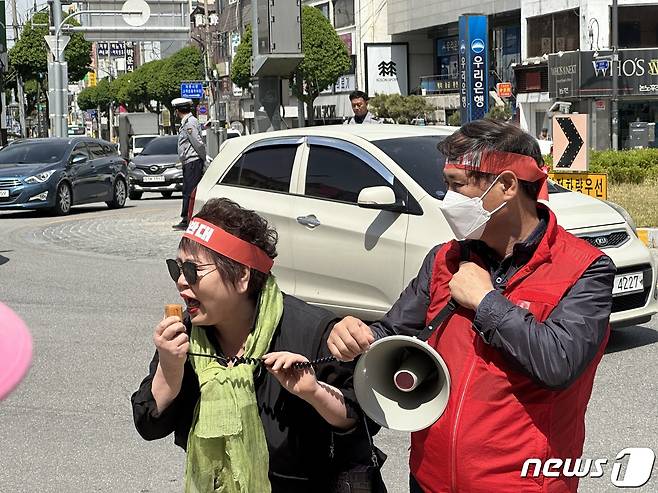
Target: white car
{"points": [[357, 209]]}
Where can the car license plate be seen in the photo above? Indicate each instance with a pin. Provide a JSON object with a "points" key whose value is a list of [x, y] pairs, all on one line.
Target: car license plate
{"points": [[4, 194], [628, 283], [154, 179]]}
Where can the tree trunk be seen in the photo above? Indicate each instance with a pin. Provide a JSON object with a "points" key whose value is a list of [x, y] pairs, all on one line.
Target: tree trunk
{"points": [[310, 112], [172, 120]]}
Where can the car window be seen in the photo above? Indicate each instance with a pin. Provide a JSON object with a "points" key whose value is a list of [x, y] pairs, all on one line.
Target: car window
{"points": [[265, 168], [160, 146], [29, 152], [338, 175], [109, 149], [80, 149], [95, 150], [419, 158]]}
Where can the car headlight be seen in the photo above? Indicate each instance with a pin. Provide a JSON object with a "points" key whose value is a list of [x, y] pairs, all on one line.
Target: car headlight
{"points": [[131, 165], [40, 177], [623, 213], [178, 165]]}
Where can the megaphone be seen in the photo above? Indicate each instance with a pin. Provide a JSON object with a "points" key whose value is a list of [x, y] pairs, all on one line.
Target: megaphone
{"points": [[402, 383]]}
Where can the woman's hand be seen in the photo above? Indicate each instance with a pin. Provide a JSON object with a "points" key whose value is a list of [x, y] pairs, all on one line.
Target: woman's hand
{"points": [[301, 382], [172, 343]]}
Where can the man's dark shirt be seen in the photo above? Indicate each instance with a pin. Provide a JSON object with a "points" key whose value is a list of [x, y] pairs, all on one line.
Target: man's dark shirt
{"points": [[554, 352]]}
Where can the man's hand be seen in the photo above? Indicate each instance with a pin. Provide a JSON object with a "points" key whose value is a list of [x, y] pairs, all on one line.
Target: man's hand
{"points": [[470, 284], [349, 338]]}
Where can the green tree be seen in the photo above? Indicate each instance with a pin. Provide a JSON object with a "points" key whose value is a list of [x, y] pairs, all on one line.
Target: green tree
{"points": [[101, 96], [503, 113], [455, 119], [28, 56], [325, 58], [401, 109], [241, 66], [164, 86], [87, 99]]}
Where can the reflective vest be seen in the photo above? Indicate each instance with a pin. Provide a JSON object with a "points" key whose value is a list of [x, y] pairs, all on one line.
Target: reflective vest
{"points": [[497, 416]]}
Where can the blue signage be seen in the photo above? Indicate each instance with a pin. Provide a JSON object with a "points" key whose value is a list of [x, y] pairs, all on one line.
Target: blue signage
{"points": [[473, 67], [191, 90]]}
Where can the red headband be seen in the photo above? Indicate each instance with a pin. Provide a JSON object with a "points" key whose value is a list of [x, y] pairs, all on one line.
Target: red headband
{"points": [[495, 162], [218, 240]]}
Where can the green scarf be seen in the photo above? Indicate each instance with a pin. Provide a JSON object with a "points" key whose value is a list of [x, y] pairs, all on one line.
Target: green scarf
{"points": [[226, 447]]}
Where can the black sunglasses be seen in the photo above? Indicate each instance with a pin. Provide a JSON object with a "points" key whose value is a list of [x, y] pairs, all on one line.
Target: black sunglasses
{"points": [[189, 270]]}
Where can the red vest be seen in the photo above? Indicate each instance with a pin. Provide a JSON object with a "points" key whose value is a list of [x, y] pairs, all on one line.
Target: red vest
{"points": [[497, 417]]}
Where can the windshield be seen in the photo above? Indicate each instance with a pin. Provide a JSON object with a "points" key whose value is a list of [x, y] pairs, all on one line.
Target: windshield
{"points": [[33, 152], [141, 142], [420, 158], [161, 145]]}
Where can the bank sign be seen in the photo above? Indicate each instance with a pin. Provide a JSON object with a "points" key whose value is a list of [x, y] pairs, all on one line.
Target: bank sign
{"points": [[581, 74], [473, 63]]}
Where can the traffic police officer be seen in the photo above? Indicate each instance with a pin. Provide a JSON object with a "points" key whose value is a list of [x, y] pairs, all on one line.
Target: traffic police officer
{"points": [[359, 101], [191, 152]]}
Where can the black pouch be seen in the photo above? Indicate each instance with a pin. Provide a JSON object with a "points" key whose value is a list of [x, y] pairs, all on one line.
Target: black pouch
{"points": [[362, 478]]}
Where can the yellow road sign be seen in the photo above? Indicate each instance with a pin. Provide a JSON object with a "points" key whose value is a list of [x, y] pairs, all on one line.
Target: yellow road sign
{"points": [[92, 79], [592, 184]]}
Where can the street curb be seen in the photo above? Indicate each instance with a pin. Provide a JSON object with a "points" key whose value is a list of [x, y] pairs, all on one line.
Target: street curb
{"points": [[649, 236]]}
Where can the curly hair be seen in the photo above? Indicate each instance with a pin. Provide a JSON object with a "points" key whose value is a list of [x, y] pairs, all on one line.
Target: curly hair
{"points": [[479, 136], [246, 225]]}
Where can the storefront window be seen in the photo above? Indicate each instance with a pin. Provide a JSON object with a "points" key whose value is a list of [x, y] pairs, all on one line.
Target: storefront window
{"points": [[343, 13], [324, 8], [554, 32], [638, 26], [447, 65]]}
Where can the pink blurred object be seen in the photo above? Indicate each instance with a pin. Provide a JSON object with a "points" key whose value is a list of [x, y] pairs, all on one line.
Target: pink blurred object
{"points": [[15, 350]]}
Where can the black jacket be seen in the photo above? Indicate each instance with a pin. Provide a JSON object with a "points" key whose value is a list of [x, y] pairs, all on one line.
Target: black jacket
{"points": [[298, 438]]}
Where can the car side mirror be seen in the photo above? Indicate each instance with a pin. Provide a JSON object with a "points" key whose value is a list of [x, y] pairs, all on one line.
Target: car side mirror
{"points": [[381, 198], [78, 159]]}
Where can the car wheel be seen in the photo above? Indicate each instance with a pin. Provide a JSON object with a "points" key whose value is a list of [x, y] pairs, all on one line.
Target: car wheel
{"points": [[167, 195], [134, 195], [63, 200], [119, 195]]}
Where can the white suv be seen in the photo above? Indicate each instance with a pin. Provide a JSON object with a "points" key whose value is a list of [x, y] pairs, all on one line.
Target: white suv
{"points": [[357, 209]]}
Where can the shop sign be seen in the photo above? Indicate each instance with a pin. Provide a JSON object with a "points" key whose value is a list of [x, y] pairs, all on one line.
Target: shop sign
{"points": [[504, 89], [581, 74], [592, 184], [387, 69]]}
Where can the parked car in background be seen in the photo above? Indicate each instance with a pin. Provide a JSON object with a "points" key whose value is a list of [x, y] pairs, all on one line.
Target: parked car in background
{"points": [[156, 169], [357, 209], [54, 174]]}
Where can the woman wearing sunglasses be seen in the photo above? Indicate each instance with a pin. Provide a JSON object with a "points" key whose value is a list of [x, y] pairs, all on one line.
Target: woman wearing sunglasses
{"points": [[247, 427]]}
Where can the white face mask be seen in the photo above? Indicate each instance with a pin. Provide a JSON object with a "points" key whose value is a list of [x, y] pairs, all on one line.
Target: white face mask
{"points": [[466, 216]]}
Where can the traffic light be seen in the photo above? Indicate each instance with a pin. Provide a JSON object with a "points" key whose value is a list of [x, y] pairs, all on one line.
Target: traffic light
{"points": [[91, 79]]}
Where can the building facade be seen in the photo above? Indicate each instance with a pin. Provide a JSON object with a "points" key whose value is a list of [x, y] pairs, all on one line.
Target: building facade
{"points": [[566, 47]]}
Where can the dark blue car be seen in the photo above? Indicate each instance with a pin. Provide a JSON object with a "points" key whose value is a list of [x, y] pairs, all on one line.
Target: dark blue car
{"points": [[54, 174]]}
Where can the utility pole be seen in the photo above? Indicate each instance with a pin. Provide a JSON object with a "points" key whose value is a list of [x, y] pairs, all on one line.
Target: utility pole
{"points": [[19, 79], [614, 107]]}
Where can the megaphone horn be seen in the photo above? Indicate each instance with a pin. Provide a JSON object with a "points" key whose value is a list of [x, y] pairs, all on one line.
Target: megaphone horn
{"points": [[402, 383]]}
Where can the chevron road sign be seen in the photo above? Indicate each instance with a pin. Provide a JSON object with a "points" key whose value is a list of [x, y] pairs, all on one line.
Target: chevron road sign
{"points": [[570, 149]]}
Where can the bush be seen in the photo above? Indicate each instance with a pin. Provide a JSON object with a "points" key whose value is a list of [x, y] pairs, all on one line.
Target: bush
{"points": [[455, 120], [630, 166]]}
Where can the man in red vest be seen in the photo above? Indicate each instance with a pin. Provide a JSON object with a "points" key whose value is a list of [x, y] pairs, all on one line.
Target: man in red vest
{"points": [[530, 328]]}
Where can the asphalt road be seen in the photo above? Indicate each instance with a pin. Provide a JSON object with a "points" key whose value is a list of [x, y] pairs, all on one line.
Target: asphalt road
{"points": [[91, 287]]}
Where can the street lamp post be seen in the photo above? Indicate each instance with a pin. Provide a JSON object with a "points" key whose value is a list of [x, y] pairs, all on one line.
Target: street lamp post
{"points": [[58, 74], [614, 106]]}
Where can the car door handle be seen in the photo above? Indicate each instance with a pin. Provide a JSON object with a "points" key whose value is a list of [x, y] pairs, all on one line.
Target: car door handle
{"points": [[311, 221]]}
